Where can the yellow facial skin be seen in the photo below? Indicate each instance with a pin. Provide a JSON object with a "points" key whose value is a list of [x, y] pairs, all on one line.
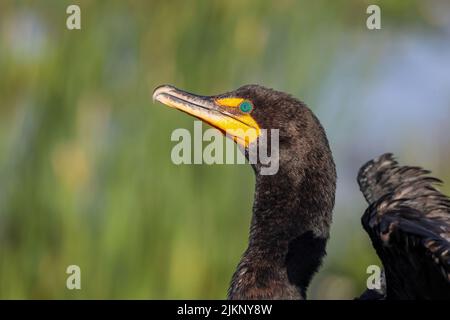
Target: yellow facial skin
{"points": [[230, 102], [242, 134], [223, 114]]}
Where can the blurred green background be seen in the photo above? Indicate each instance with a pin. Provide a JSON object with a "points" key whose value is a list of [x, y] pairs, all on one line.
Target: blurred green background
{"points": [[85, 170]]}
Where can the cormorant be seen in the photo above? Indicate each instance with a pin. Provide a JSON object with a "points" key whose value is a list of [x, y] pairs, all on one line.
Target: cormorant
{"points": [[407, 219]]}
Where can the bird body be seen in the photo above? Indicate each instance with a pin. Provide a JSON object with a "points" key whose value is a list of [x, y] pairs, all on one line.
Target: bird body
{"points": [[407, 219]]}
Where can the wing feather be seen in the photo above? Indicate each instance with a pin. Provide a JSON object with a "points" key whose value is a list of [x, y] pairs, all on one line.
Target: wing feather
{"points": [[408, 221]]}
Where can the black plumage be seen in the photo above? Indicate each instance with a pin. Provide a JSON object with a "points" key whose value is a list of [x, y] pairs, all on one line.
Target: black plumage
{"points": [[408, 221], [292, 209]]}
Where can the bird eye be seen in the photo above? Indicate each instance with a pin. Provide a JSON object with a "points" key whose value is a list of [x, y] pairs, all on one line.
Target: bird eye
{"points": [[246, 106]]}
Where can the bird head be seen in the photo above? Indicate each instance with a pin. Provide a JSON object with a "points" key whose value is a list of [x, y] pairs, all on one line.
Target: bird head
{"points": [[248, 114], [240, 114]]}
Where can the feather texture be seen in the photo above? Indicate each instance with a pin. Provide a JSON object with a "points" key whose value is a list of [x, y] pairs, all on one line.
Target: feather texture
{"points": [[408, 221]]}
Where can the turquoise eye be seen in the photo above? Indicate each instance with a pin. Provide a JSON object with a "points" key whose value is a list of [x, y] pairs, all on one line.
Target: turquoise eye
{"points": [[246, 106]]}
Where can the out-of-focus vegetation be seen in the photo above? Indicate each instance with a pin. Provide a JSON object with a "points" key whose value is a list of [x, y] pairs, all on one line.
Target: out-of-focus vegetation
{"points": [[85, 170]]}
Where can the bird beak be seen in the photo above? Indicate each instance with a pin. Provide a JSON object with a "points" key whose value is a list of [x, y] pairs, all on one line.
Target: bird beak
{"points": [[242, 128]]}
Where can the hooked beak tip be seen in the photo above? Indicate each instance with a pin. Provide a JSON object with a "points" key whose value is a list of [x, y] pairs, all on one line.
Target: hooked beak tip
{"points": [[160, 90]]}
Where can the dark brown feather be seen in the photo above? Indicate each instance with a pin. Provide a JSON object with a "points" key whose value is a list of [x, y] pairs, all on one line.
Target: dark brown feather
{"points": [[408, 221]]}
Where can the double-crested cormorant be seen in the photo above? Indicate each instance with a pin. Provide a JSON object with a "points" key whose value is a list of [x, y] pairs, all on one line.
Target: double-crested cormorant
{"points": [[407, 220]]}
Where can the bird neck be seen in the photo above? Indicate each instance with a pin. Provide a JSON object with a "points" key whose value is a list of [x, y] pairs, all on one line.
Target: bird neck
{"points": [[289, 229]]}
